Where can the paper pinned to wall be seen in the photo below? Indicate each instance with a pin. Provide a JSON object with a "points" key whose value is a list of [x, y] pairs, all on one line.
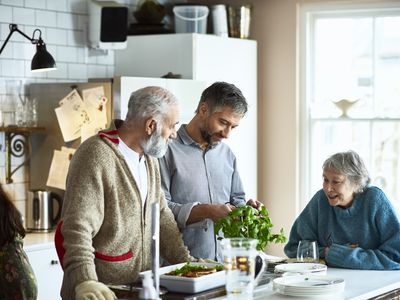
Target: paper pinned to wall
{"points": [[59, 167], [94, 95], [89, 130], [69, 116], [95, 101], [75, 113]]}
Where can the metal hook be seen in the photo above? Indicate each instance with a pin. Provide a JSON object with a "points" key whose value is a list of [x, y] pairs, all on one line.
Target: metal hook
{"points": [[35, 41]]}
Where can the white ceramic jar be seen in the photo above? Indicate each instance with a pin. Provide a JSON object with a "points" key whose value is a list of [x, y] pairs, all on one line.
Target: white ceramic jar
{"points": [[220, 20]]}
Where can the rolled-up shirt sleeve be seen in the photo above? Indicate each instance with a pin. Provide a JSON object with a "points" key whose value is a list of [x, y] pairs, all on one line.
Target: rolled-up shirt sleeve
{"points": [[182, 213]]}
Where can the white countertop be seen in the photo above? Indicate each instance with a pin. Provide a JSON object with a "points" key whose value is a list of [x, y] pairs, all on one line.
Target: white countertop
{"points": [[360, 285], [38, 240], [364, 284]]}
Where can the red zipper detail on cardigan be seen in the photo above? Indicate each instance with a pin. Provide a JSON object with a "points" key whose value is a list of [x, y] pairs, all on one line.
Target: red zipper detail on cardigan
{"points": [[114, 140], [110, 132], [110, 135], [122, 257], [59, 243]]}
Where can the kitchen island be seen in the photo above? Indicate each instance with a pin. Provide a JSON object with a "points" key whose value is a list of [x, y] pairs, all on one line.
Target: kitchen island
{"points": [[360, 285]]}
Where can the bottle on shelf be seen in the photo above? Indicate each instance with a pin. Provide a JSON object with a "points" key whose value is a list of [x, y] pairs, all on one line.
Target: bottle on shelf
{"points": [[32, 112]]}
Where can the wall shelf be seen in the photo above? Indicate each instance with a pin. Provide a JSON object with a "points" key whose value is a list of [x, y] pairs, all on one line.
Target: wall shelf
{"points": [[17, 141]]}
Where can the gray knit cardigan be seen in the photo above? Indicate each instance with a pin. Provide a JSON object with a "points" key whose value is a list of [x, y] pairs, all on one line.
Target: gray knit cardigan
{"points": [[105, 234]]}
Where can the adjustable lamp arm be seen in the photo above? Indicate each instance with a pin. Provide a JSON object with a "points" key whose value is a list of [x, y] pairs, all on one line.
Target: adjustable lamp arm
{"points": [[42, 60], [14, 28]]}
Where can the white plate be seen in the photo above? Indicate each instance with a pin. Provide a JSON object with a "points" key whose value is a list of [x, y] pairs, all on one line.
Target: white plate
{"points": [[274, 259], [301, 268], [187, 284], [308, 285]]}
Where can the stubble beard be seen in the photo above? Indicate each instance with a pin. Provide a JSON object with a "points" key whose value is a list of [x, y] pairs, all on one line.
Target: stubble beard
{"points": [[207, 136]]}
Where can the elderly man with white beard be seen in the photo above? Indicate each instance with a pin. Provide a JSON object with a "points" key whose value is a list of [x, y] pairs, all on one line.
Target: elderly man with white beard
{"points": [[104, 235]]}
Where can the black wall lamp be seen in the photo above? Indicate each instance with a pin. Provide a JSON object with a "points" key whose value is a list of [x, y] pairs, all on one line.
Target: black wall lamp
{"points": [[42, 60]]}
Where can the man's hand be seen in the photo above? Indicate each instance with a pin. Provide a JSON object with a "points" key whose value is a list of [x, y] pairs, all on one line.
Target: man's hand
{"points": [[219, 211], [254, 203], [202, 260], [93, 290], [209, 211]]}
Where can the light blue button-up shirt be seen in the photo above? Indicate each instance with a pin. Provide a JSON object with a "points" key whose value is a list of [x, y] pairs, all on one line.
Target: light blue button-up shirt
{"points": [[191, 176]]}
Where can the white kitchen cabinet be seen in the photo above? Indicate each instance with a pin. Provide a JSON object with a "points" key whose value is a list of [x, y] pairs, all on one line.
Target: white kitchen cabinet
{"points": [[46, 266], [207, 58]]}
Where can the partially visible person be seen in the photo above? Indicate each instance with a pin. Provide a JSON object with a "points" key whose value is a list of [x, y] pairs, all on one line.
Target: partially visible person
{"points": [[355, 225], [17, 280], [113, 180], [199, 172]]}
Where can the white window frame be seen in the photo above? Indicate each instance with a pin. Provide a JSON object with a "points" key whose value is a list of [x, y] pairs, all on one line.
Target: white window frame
{"points": [[306, 14]]}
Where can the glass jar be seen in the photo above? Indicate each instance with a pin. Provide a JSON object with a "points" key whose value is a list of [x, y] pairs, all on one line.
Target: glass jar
{"points": [[32, 108], [11, 101]]}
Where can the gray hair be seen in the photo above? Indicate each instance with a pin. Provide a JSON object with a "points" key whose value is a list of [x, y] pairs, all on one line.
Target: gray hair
{"points": [[221, 94], [351, 165], [151, 101]]}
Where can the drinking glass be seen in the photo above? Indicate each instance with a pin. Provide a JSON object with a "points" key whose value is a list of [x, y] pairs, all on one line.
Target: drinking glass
{"points": [[307, 251], [239, 262]]}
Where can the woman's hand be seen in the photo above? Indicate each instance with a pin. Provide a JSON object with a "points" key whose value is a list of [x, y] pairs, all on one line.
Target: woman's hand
{"points": [[350, 246], [326, 251]]}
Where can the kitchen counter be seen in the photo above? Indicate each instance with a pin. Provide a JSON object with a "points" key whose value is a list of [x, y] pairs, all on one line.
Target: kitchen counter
{"points": [[38, 240], [360, 285]]}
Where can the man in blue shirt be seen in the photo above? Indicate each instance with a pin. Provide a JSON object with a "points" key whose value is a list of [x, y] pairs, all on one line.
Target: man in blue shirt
{"points": [[199, 173]]}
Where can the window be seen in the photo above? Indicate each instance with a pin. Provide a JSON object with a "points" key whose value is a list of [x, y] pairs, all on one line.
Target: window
{"points": [[351, 54]]}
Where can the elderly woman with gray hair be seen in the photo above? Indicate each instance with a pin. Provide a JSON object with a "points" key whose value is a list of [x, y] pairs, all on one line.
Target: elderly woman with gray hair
{"points": [[355, 225]]}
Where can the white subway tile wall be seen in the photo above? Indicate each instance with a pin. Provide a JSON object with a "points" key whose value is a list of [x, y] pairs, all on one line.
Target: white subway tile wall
{"points": [[13, 2], [59, 5], [5, 14], [41, 4], [63, 24], [24, 16]]}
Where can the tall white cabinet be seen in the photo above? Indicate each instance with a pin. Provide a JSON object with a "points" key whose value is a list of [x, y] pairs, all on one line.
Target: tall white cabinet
{"points": [[205, 58]]}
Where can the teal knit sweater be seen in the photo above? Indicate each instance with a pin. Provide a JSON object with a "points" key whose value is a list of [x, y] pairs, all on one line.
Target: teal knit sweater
{"points": [[371, 223]]}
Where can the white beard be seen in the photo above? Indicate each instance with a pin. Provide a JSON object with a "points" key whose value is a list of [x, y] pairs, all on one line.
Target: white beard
{"points": [[155, 145]]}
